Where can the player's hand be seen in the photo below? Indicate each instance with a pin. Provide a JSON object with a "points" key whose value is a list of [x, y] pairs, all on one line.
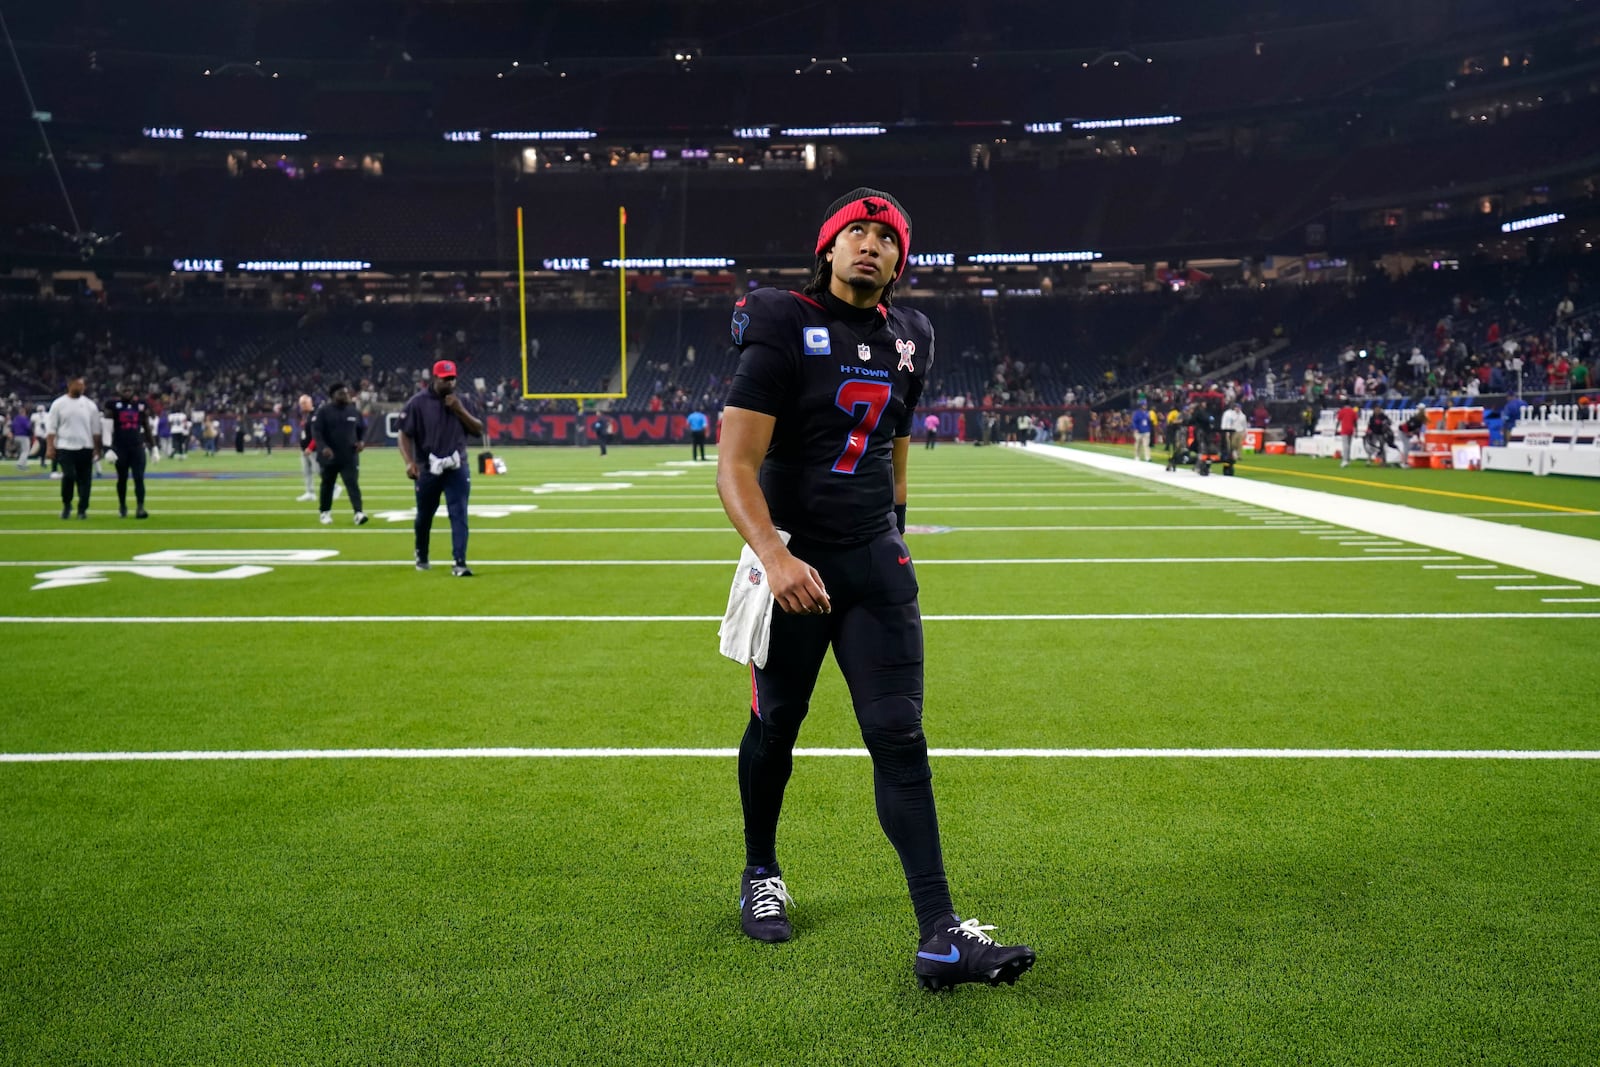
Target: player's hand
{"points": [[452, 402], [411, 470], [326, 454], [361, 446], [797, 586], [50, 452]]}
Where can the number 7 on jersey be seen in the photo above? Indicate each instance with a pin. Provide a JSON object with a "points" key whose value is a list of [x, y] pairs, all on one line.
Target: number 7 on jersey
{"points": [[874, 396]]}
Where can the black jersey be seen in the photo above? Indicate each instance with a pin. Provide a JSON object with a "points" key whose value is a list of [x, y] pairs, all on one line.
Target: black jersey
{"points": [[842, 383], [129, 420], [340, 429]]}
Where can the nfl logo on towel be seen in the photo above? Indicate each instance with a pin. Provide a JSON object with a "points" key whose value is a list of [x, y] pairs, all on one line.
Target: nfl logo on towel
{"points": [[755, 576]]}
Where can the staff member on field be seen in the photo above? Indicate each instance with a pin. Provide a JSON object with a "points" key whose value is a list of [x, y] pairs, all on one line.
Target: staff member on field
{"points": [[339, 430], [433, 443], [72, 438]]}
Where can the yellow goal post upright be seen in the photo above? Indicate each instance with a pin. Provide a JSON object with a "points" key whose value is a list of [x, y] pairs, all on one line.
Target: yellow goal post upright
{"points": [[622, 317]]}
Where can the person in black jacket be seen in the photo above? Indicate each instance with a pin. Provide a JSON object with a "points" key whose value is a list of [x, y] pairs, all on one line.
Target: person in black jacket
{"points": [[339, 431], [811, 470]]}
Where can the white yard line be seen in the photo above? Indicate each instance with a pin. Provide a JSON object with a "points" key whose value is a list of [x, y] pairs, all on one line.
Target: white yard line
{"points": [[1558, 555], [1048, 561], [192, 756], [1251, 616]]}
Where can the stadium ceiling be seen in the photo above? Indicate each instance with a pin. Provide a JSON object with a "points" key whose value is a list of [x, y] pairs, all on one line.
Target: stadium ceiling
{"points": [[581, 29]]}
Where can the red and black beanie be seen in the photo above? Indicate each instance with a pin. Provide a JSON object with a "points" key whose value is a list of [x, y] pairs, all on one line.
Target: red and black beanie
{"points": [[874, 206]]}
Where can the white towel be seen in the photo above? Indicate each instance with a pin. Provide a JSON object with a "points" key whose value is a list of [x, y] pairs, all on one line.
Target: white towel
{"points": [[747, 624], [440, 464]]}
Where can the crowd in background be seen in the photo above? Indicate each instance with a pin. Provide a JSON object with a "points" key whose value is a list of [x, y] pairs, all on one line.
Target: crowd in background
{"points": [[1446, 336]]}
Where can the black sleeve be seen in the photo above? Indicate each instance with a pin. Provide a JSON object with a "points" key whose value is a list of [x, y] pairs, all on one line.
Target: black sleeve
{"points": [[765, 332], [765, 380]]}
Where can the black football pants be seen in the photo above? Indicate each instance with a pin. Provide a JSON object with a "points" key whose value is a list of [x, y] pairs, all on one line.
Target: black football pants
{"points": [[349, 469], [875, 630], [130, 462], [77, 472]]}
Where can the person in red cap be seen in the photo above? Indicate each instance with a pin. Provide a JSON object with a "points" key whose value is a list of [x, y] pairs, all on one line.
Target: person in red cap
{"points": [[811, 470], [433, 443]]}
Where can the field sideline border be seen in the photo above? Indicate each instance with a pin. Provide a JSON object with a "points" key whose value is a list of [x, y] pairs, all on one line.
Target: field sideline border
{"points": [[1558, 555], [1178, 616], [246, 755]]}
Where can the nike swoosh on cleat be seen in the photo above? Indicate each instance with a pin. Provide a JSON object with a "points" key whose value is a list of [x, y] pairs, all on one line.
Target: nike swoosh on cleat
{"points": [[903, 560], [953, 956]]}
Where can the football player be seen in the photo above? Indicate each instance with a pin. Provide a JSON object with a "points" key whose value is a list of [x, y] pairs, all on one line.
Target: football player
{"points": [[815, 439]]}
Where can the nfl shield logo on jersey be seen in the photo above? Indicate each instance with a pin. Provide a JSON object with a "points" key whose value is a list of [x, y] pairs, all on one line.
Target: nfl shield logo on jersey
{"points": [[907, 349], [864, 353]]}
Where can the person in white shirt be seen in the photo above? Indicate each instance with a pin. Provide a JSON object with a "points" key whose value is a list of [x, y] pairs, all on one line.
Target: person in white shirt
{"points": [[34, 446], [1234, 424], [178, 421], [73, 439]]}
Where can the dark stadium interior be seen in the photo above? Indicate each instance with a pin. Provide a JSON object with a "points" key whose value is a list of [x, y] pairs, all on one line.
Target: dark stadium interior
{"points": [[239, 202]]}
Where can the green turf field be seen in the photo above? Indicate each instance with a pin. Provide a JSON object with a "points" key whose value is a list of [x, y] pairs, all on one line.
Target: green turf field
{"points": [[538, 909]]}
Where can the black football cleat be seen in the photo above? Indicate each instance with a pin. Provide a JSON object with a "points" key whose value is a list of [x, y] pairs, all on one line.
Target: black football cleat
{"points": [[965, 953], [763, 901]]}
